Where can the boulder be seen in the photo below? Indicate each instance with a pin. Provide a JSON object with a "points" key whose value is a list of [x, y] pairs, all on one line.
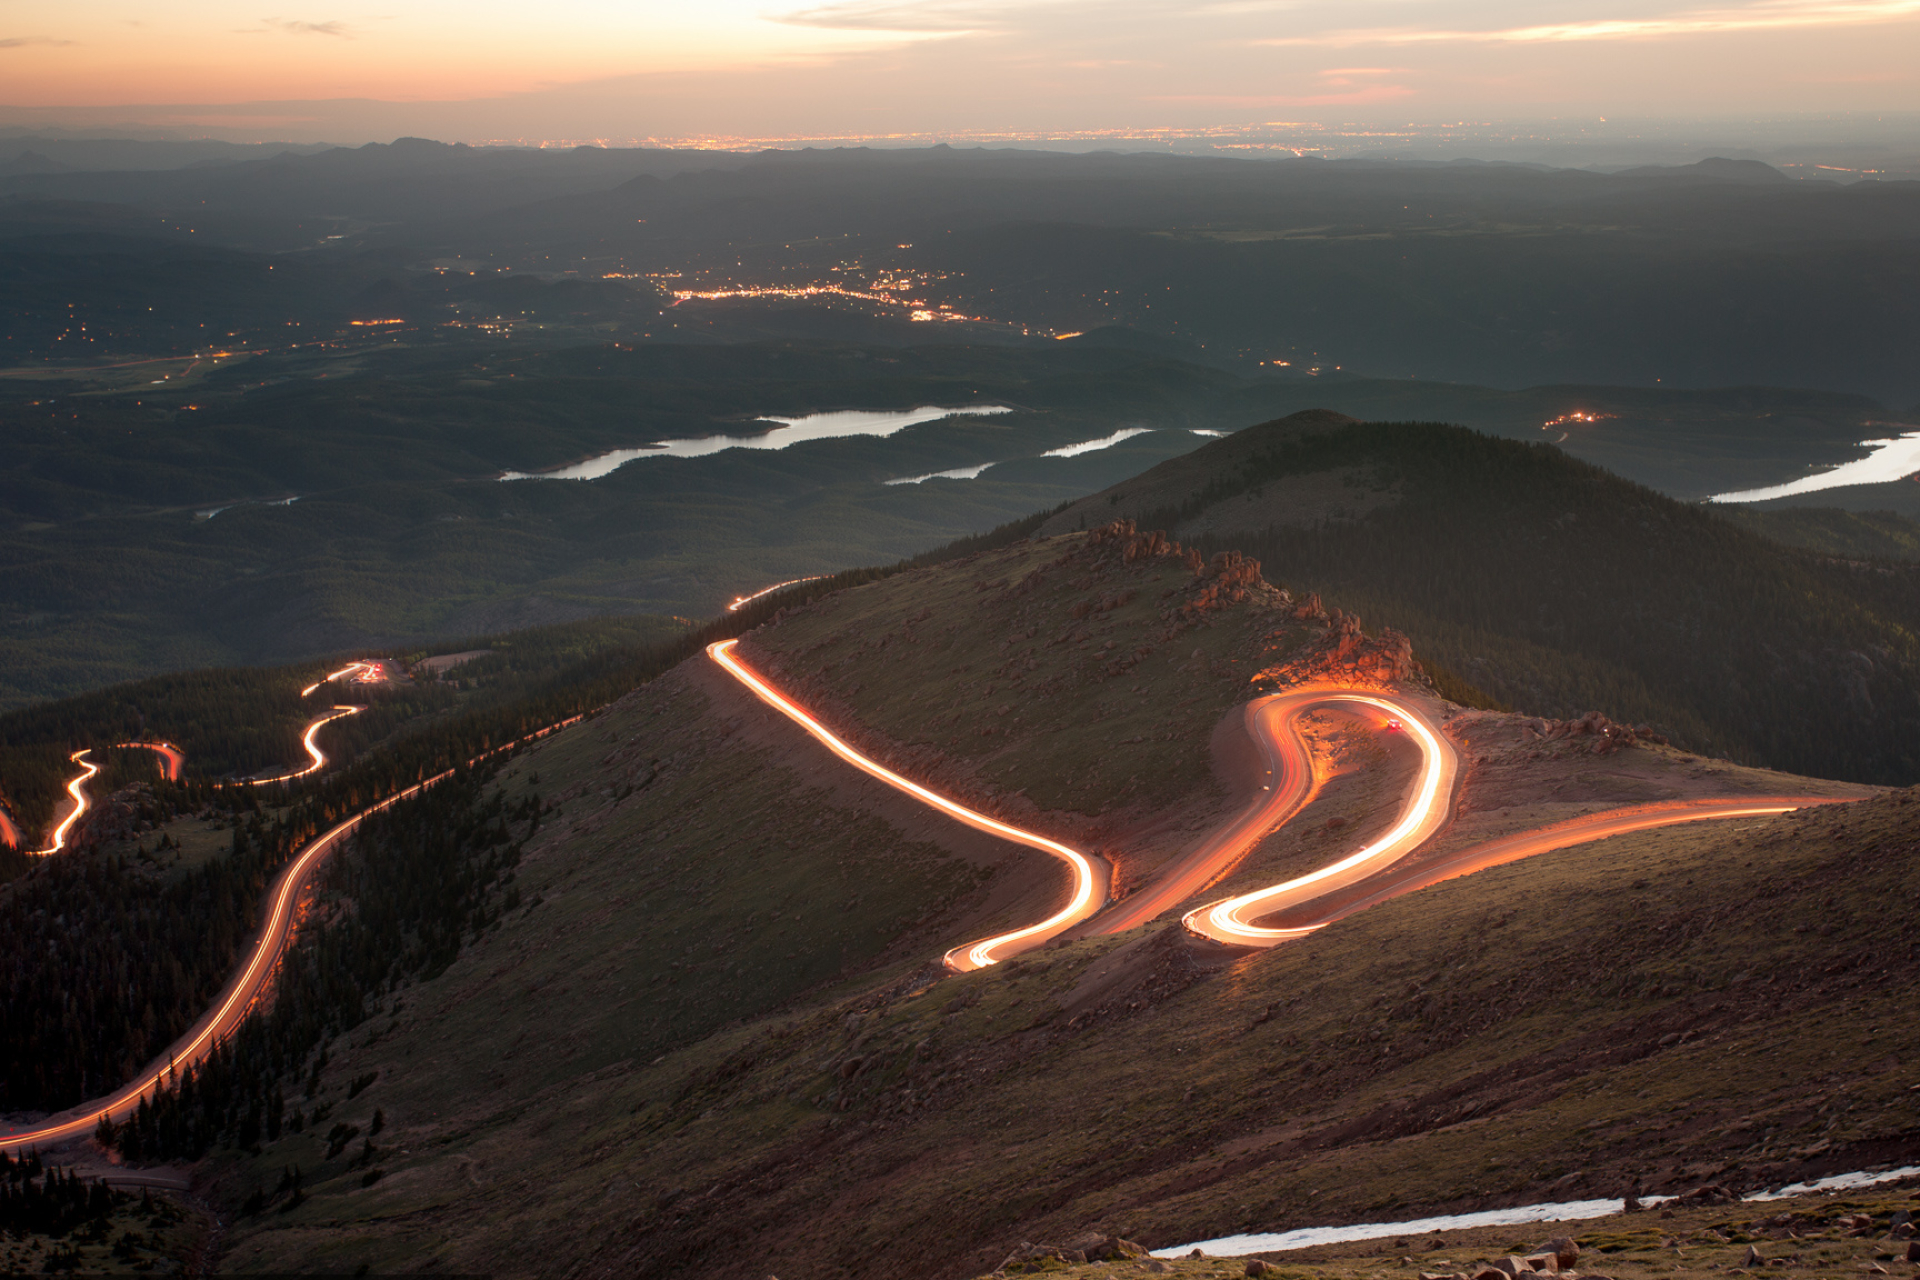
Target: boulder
{"points": [[1913, 1251], [1753, 1258], [1563, 1248], [1549, 1262], [1256, 1267]]}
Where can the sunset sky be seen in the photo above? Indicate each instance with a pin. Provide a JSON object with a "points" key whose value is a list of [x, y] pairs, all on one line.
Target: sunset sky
{"points": [[480, 69]]}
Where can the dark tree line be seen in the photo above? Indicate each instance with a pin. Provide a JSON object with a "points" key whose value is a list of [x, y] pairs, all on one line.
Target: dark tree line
{"points": [[56, 1205], [103, 964], [425, 876]]}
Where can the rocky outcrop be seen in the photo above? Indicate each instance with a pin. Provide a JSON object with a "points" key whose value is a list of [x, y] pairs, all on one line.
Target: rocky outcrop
{"points": [[1343, 653], [1604, 735], [1095, 1246], [1556, 1258]]}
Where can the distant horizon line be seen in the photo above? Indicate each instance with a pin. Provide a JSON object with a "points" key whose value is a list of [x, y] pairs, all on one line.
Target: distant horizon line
{"points": [[1601, 142]]}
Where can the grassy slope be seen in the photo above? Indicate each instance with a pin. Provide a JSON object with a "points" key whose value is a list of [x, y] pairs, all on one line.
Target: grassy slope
{"points": [[1563, 1027], [1052, 679], [1654, 1007]]}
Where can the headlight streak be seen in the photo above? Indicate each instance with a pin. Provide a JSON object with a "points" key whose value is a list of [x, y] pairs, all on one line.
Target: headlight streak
{"points": [[1231, 921], [244, 991], [78, 790], [317, 757], [1087, 878]]}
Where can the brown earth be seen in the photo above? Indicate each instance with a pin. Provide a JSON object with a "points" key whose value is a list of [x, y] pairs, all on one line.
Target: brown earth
{"points": [[712, 1044]]}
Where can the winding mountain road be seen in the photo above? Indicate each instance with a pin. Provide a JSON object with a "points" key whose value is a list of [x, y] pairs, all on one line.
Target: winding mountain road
{"points": [[249, 984], [242, 992], [78, 790], [1274, 724], [1376, 872], [1091, 874], [1372, 874], [316, 758], [172, 760]]}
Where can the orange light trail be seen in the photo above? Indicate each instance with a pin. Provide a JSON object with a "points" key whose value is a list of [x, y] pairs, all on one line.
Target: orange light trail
{"points": [[1585, 829], [243, 991], [235, 1003], [314, 753], [349, 669], [172, 759], [1087, 877], [740, 602], [1231, 921], [78, 790]]}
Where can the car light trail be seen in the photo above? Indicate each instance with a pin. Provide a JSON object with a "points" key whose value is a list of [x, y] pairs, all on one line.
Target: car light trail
{"points": [[172, 759], [314, 753], [349, 669], [78, 790], [1426, 808], [1585, 829], [244, 990], [1087, 877], [740, 602], [235, 1003]]}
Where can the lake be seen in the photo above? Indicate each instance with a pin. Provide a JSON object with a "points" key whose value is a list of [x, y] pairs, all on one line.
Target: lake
{"points": [[788, 431]]}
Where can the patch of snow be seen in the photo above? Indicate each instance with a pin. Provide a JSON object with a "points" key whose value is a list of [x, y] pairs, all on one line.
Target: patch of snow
{"points": [[790, 431], [1566, 1211]]}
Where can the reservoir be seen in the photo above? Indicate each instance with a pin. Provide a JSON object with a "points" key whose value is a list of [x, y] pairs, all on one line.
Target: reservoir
{"points": [[789, 431]]}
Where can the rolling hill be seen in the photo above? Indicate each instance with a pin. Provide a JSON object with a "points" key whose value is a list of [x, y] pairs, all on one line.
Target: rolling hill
{"points": [[1558, 588]]}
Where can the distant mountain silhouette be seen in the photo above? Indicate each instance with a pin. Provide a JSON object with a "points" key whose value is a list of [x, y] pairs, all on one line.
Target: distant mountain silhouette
{"points": [[1712, 169], [33, 162]]}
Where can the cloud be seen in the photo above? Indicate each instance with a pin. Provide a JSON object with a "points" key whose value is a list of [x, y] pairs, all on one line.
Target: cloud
{"points": [[21, 42], [920, 18], [296, 27], [1364, 96], [1769, 15]]}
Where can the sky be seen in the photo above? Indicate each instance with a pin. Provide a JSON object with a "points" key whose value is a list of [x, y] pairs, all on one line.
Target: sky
{"points": [[642, 70]]}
